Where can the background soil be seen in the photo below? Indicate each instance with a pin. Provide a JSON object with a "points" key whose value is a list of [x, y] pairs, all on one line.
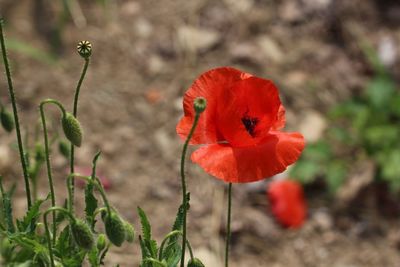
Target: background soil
{"points": [[146, 53]]}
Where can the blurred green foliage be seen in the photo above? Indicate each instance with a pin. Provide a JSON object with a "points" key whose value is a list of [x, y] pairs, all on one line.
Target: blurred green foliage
{"points": [[366, 127]]}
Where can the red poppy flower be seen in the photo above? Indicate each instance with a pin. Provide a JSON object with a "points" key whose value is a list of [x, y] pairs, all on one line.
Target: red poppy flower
{"points": [[240, 127], [287, 202]]}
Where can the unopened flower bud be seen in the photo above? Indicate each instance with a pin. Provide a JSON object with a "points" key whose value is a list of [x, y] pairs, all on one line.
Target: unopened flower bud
{"points": [[82, 234], [129, 232], [7, 120], [72, 129], [115, 229], [195, 262], [64, 149], [101, 242], [84, 49], [40, 154], [200, 104]]}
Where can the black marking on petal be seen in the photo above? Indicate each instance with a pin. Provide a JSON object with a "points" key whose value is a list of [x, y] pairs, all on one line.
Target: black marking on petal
{"points": [[250, 124]]}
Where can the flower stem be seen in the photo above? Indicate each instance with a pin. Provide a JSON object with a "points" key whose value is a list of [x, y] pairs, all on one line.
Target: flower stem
{"points": [[183, 181], [49, 242], [75, 113], [16, 119], [228, 224], [47, 152]]}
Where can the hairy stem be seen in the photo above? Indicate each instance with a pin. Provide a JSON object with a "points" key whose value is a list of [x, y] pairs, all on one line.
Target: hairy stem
{"points": [[16, 119], [75, 113], [47, 152], [228, 225], [183, 181]]}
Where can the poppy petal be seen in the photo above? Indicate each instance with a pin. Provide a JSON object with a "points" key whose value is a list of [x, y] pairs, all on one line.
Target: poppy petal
{"points": [[249, 164], [249, 110], [209, 85], [287, 202], [280, 119]]}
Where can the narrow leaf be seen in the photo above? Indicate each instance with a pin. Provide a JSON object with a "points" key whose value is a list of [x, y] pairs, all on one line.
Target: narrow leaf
{"points": [[146, 228]]}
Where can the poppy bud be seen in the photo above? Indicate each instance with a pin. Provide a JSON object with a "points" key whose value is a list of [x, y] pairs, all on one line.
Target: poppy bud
{"points": [[115, 229], [101, 242], [195, 262], [82, 234], [72, 129], [64, 149], [84, 49], [200, 104], [40, 154], [6, 247], [7, 120], [129, 232], [287, 202]]}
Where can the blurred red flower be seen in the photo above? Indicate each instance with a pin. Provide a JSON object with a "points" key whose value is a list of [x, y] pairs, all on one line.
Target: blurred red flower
{"points": [[287, 202], [240, 127]]}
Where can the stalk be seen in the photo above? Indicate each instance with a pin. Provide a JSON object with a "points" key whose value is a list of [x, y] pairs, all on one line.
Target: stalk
{"points": [[183, 181], [16, 119], [75, 113], [228, 225], [47, 152]]}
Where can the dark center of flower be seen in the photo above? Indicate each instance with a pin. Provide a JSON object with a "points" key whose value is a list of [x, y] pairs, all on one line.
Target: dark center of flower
{"points": [[250, 124]]}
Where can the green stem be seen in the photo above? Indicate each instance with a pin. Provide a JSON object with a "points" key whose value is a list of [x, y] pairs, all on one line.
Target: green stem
{"points": [[16, 119], [47, 152], [49, 242], [154, 261], [99, 210], [75, 113], [183, 181], [228, 224], [103, 195]]}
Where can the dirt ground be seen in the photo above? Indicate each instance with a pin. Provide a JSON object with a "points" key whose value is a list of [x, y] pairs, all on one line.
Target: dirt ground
{"points": [[146, 53]]}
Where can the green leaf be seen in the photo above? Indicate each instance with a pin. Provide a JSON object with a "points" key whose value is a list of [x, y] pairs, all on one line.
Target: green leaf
{"points": [[145, 252], [91, 205], [103, 255], [63, 241], [93, 257], [305, 171], [31, 51], [30, 243], [90, 199], [173, 253], [7, 208], [335, 175], [28, 223], [319, 152], [146, 227], [150, 244], [382, 136], [380, 91], [394, 105], [391, 168], [173, 249]]}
